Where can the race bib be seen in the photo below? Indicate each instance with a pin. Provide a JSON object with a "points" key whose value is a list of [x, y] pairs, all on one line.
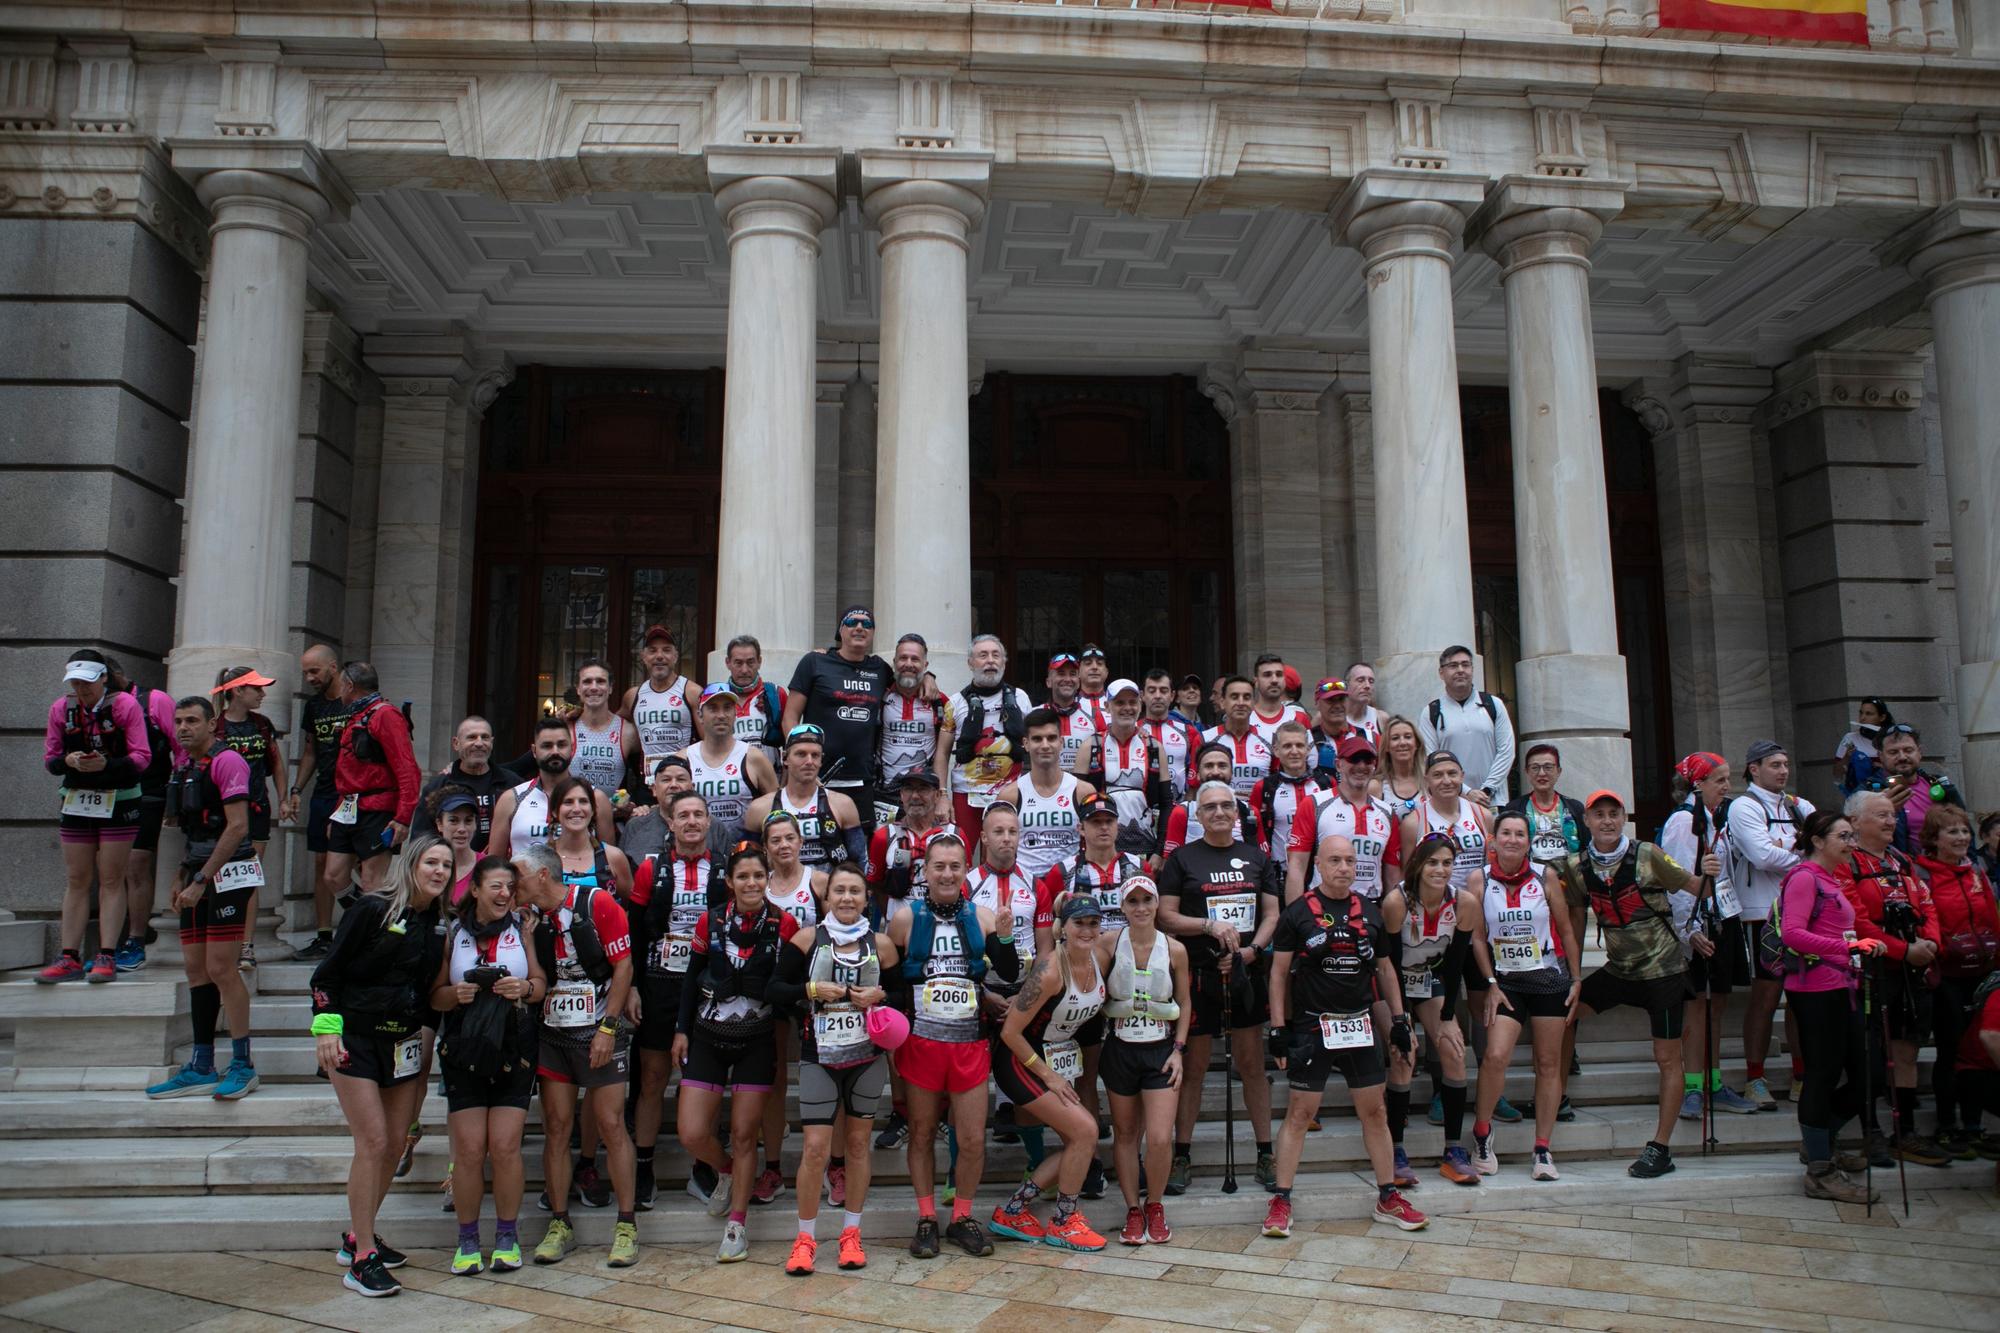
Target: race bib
{"points": [[1417, 984], [409, 1057], [1346, 1032], [1238, 911], [948, 999], [1138, 1030], [1065, 1060], [1517, 953], [1727, 905], [837, 1028], [349, 809], [572, 1004], [239, 875], [86, 804], [671, 954]]}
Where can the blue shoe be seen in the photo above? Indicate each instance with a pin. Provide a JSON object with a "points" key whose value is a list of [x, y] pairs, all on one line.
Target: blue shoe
{"points": [[1436, 1117], [131, 956], [1734, 1102], [1506, 1113], [186, 1083], [1405, 1178], [238, 1082]]}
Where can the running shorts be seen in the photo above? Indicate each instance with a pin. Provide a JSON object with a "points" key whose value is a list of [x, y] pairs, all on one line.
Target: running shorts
{"points": [[855, 1089], [1664, 999], [1310, 1063], [1129, 1068], [739, 1066], [944, 1066], [561, 1060]]}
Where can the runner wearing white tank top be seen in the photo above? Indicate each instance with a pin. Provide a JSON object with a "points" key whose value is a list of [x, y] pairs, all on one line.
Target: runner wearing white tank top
{"points": [[531, 825], [665, 720], [801, 898], [1049, 828], [725, 784], [597, 754], [1465, 829]]}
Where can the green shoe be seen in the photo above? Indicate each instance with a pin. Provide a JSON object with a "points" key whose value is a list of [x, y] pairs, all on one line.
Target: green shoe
{"points": [[947, 1195], [1267, 1170], [557, 1244], [467, 1261], [507, 1259], [1177, 1175], [624, 1245]]}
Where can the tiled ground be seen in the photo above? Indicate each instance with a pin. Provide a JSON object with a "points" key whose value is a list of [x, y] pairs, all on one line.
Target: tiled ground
{"points": [[1783, 1262]]}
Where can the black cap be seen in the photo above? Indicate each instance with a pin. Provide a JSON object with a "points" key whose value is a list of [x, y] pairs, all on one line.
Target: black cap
{"points": [[1097, 803], [918, 777]]}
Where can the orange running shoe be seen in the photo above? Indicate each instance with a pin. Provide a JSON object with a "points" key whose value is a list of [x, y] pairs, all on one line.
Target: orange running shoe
{"points": [[801, 1262], [851, 1253], [1072, 1233], [1020, 1225]]}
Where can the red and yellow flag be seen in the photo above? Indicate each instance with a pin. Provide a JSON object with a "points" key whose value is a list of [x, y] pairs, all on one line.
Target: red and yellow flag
{"points": [[1805, 20]]}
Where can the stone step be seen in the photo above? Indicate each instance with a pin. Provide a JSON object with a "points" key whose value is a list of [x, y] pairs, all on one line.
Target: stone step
{"points": [[23, 944], [157, 1223]]}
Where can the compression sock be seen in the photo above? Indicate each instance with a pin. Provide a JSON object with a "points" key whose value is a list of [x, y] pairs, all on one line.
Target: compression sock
{"points": [[1715, 1080], [1398, 1103], [1690, 1082], [1065, 1205], [739, 1215], [1454, 1110], [927, 1206], [206, 1003], [239, 1049], [1033, 1143], [468, 1234], [632, 1217], [961, 1208], [1753, 1069], [644, 1158], [1026, 1193], [505, 1233]]}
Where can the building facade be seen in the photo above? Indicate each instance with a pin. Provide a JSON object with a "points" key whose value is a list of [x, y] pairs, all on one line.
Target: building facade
{"points": [[471, 336]]}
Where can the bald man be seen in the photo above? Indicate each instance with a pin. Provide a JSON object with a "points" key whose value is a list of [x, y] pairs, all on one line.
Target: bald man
{"points": [[320, 723]]}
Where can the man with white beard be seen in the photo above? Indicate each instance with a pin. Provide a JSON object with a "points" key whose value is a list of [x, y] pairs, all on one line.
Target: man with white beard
{"points": [[980, 743]]}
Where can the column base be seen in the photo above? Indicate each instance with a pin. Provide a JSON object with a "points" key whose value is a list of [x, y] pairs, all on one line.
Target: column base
{"points": [[1578, 703], [1979, 723]]}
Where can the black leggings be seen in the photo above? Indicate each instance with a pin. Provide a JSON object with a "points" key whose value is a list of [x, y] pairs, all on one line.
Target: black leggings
{"points": [[1957, 1095], [1831, 1043]]}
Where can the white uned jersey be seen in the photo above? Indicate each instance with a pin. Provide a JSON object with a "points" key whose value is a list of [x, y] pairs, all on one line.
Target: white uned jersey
{"points": [[1049, 827], [664, 720]]}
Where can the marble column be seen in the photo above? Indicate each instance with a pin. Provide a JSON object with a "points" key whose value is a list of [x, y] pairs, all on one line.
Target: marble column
{"points": [[1406, 222], [1357, 431], [855, 555], [264, 200], [1571, 678], [924, 203], [1957, 257], [775, 201]]}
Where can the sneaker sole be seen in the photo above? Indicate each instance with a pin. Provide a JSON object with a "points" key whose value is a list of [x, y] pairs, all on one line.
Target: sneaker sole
{"points": [[238, 1096], [500, 1266], [1544, 1173], [1273, 1233], [1055, 1242], [1485, 1170], [198, 1089], [622, 1263], [798, 1272], [360, 1290], [732, 1258], [1010, 1233], [1400, 1224], [1459, 1177], [851, 1267], [1135, 1244], [473, 1271], [546, 1260]]}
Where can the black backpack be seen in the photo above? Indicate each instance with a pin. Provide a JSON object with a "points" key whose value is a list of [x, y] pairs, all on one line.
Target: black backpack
{"points": [[1437, 714], [1012, 723]]}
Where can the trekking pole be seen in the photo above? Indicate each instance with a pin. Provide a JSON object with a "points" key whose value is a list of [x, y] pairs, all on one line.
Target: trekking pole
{"points": [[1895, 1114], [1228, 1090], [1867, 1083]]}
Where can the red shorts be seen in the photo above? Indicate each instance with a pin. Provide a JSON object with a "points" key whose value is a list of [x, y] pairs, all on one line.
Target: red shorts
{"points": [[968, 817], [944, 1066]]}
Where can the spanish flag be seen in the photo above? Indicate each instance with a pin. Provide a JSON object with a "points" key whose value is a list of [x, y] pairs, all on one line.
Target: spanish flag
{"points": [[1802, 20]]}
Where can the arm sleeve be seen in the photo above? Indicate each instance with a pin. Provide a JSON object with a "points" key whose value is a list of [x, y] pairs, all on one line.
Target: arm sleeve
{"points": [[856, 841], [52, 744], [878, 857], [788, 982], [1456, 965], [1003, 958], [1176, 830], [131, 719]]}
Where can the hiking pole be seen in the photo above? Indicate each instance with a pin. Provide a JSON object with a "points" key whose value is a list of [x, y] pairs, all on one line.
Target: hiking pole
{"points": [[1895, 1112], [1867, 1080], [1228, 1089]]}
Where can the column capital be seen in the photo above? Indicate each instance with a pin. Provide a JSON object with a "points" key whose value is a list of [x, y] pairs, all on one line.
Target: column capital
{"points": [[908, 192], [55, 173], [424, 365], [1957, 245], [1529, 220], [764, 189], [1389, 211], [1844, 380], [1284, 379]]}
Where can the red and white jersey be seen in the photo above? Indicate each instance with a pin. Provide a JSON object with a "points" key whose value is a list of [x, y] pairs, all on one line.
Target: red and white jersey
{"points": [[1249, 757], [1369, 825], [686, 880], [1369, 725], [1281, 794], [1178, 742], [751, 718], [909, 737], [1467, 838], [1181, 822], [1267, 727], [1008, 894], [1079, 724]]}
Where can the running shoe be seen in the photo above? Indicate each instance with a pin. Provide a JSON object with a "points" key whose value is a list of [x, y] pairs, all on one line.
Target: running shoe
{"points": [[1759, 1091], [411, 1138], [767, 1187], [1797, 1091], [246, 957], [368, 1277], [1267, 1170], [1070, 1233], [969, 1236], [391, 1258], [947, 1194], [1920, 1150], [593, 1190], [701, 1181], [1734, 1102], [188, 1082], [467, 1261], [800, 1264], [507, 1258], [1691, 1106], [103, 968], [67, 967], [735, 1247], [1506, 1113], [1654, 1161], [1575, 1065], [131, 956], [851, 1253], [1406, 1179], [1397, 1212], [1457, 1167], [1484, 1159], [1157, 1230], [238, 1082], [836, 1186], [315, 949], [718, 1195], [1177, 1174], [1313, 1126], [1565, 1111], [1436, 1113], [344, 1256], [1958, 1143], [645, 1190], [924, 1244], [624, 1245], [557, 1243], [1545, 1166], [1093, 1180], [1016, 1224], [1278, 1218], [896, 1134], [1876, 1149], [1134, 1232]]}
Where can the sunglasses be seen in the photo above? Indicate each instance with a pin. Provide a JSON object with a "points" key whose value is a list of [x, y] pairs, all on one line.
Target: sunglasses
{"points": [[1062, 660], [805, 731], [858, 622]]}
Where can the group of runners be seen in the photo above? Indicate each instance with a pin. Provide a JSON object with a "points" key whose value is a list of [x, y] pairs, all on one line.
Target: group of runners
{"points": [[909, 904]]}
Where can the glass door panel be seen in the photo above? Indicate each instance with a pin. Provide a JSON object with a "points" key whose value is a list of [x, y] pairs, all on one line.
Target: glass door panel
{"points": [[1138, 623], [575, 625], [669, 596], [1048, 619]]}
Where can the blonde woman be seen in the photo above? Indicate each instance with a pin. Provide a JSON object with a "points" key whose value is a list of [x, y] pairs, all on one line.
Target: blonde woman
{"points": [[1401, 780], [1148, 1009]]}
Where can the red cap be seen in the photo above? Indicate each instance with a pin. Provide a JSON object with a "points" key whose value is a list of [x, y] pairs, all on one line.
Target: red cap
{"points": [[657, 632], [1353, 744], [1292, 681], [1604, 794]]}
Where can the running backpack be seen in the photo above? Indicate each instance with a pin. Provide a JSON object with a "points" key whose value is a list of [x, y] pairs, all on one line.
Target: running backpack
{"points": [[1437, 714], [1772, 953]]}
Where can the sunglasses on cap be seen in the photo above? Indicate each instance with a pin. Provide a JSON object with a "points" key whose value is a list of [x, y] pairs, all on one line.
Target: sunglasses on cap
{"points": [[1898, 729], [805, 731], [1062, 660]]}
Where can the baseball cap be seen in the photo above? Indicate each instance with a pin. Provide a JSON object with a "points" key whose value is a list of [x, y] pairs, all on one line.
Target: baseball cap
{"points": [[1137, 884], [1092, 650], [720, 689], [1604, 794], [1330, 689], [918, 777], [81, 670], [657, 633], [671, 761], [245, 676], [1078, 905], [1192, 678], [1353, 745], [1097, 803], [1762, 750], [1120, 686], [1062, 660], [458, 800]]}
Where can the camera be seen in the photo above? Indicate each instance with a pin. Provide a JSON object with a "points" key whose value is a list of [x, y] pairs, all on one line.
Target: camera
{"points": [[1899, 919], [486, 976]]}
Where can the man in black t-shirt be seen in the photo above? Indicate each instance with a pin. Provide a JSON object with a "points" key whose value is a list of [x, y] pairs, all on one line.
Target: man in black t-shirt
{"points": [[1221, 896], [320, 723], [840, 691], [1330, 962], [472, 768]]}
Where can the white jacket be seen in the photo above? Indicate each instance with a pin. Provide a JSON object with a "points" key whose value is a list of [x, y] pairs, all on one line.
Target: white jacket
{"points": [[1484, 745], [1763, 832]]}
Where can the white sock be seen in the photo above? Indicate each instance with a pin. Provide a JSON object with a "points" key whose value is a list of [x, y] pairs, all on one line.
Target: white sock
{"points": [[806, 1225], [851, 1220]]}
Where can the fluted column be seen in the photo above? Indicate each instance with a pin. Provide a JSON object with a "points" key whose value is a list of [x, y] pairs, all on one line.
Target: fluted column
{"points": [[1957, 256], [1406, 223], [775, 200], [235, 597], [1571, 678], [925, 204]]}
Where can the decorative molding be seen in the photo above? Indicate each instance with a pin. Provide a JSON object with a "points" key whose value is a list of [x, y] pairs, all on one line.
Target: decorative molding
{"points": [[491, 380], [69, 174], [1420, 134], [395, 112], [1841, 381], [1559, 143], [1989, 156], [1095, 140], [1700, 176], [1218, 385], [1905, 170], [248, 96], [923, 109], [1654, 415], [775, 115], [106, 79], [28, 85]]}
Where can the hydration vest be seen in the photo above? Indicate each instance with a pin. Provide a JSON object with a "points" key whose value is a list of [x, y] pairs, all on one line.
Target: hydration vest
{"points": [[923, 934]]}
